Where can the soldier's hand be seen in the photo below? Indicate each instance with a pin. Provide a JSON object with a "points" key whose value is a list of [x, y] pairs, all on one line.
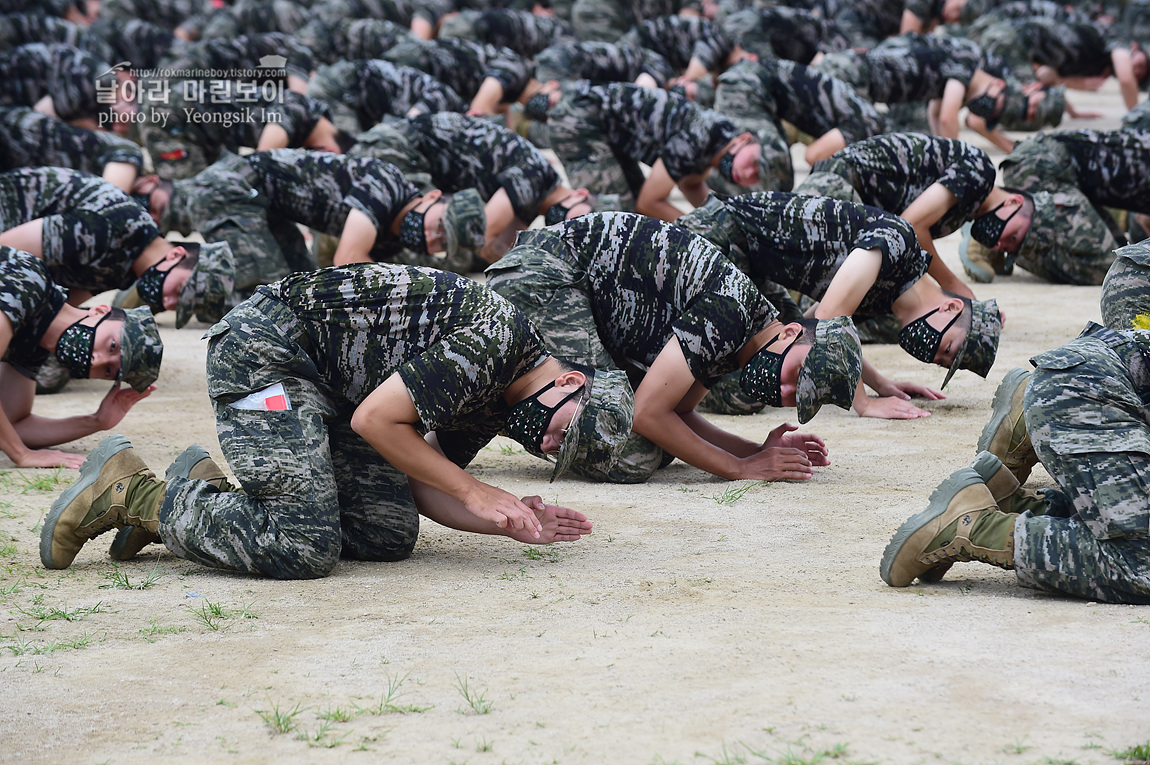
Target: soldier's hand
{"points": [[117, 403], [503, 509], [50, 458], [892, 408], [560, 524], [776, 464], [907, 390], [810, 444]]}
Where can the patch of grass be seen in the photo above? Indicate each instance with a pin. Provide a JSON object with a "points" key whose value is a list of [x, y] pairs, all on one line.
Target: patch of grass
{"points": [[336, 714], [542, 552], [388, 701], [44, 482], [8, 550], [725, 757], [508, 576], [212, 615], [1135, 755], [25, 648], [1018, 747], [118, 579], [476, 700], [322, 737], [733, 494], [280, 721], [483, 745], [153, 629], [43, 614]]}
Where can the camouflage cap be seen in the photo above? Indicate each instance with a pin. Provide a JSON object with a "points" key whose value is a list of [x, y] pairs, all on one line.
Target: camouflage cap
{"points": [[140, 348], [1047, 112], [209, 286], [602, 423], [833, 368], [981, 343], [1046, 226], [464, 223]]}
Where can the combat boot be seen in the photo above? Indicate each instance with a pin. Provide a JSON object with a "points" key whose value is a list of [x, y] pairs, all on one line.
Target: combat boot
{"points": [[115, 489], [979, 262], [52, 376], [1009, 495], [129, 298], [961, 523], [194, 463], [1005, 435]]}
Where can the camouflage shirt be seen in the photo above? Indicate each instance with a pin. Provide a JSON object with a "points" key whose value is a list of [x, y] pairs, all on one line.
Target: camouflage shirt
{"points": [[456, 344], [649, 281], [522, 31], [31, 139], [648, 125], [69, 75], [678, 39], [891, 171], [1111, 166], [790, 34], [92, 232], [351, 39], [470, 152], [386, 89], [916, 67], [1072, 50], [170, 14], [243, 53], [255, 17], [23, 28], [141, 43], [30, 300], [800, 241], [599, 62], [463, 65]]}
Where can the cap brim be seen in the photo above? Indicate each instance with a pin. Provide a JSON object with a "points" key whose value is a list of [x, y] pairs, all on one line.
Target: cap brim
{"points": [[956, 364], [184, 305], [574, 435], [807, 400]]}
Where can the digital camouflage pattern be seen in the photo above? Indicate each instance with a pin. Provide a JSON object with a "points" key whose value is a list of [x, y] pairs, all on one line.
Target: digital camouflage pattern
{"points": [[243, 53], [186, 131], [92, 232], [800, 241], [602, 132], [1071, 49], [351, 39], [463, 65], [1110, 165], [910, 67], [469, 152], [18, 29], [68, 75], [891, 171], [140, 349], [610, 290], [31, 139], [139, 42], [832, 370], [866, 23], [388, 142], [363, 93], [255, 17], [30, 300], [678, 39], [606, 20], [1071, 240], [522, 31], [1137, 118], [401, 12], [1126, 288], [255, 202], [331, 337], [600, 62], [210, 289], [785, 33], [1086, 413], [189, 14]]}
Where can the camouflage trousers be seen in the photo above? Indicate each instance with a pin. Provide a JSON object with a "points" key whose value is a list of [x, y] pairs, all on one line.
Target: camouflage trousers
{"points": [[315, 491], [554, 295], [174, 152], [1126, 288], [577, 137], [1091, 431]]}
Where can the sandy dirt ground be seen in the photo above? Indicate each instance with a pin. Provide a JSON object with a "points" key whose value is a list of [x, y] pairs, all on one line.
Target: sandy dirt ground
{"points": [[702, 621]]}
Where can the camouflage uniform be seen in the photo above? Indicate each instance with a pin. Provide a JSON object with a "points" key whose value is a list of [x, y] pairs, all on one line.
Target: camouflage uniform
{"points": [[1137, 118], [314, 490], [255, 202], [601, 133], [610, 290], [910, 67], [791, 34], [92, 231], [351, 39], [141, 43], [69, 75], [248, 17], [243, 53], [866, 23], [30, 300], [606, 20], [1071, 177], [678, 39], [1087, 407], [462, 152], [891, 171], [186, 130], [524, 32], [18, 29], [464, 65], [31, 139], [1007, 32], [600, 62], [759, 96], [170, 14], [401, 12], [1126, 289], [363, 93]]}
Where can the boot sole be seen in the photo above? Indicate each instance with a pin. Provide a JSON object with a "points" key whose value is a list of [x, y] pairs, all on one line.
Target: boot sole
{"points": [[1001, 406], [986, 465], [939, 501], [184, 463], [973, 270], [89, 472]]}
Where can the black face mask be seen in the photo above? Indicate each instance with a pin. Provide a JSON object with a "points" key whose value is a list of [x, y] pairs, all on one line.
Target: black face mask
{"points": [[529, 419], [762, 377], [987, 229], [727, 166], [412, 233], [150, 285], [985, 106], [538, 107], [921, 340], [75, 346]]}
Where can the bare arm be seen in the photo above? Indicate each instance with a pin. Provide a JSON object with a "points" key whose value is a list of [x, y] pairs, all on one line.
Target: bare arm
{"points": [[28, 237], [122, 175], [273, 136], [1123, 66], [850, 284], [356, 240], [487, 98], [694, 188], [654, 192], [996, 136], [928, 209], [953, 97], [386, 420]]}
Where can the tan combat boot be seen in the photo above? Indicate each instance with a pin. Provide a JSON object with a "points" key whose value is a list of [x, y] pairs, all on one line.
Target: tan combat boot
{"points": [[980, 262], [1005, 434], [961, 523], [115, 489], [1009, 495], [195, 463]]}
